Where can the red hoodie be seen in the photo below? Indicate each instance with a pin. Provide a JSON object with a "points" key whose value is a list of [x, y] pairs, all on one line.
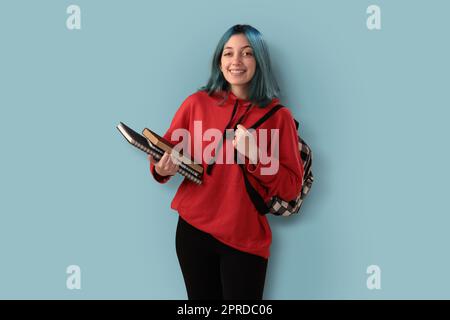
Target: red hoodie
{"points": [[221, 206]]}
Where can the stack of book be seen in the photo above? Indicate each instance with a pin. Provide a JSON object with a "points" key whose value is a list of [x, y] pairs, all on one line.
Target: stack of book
{"points": [[155, 145]]}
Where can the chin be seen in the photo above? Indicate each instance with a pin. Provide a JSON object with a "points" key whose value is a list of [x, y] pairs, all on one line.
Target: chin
{"points": [[239, 83]]}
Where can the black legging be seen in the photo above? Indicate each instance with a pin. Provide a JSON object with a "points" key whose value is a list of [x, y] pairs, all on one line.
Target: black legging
{"points": [[213, 270]]}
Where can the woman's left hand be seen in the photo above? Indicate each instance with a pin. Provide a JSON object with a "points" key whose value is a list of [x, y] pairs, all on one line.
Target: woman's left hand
{"points": [[244, 142]]}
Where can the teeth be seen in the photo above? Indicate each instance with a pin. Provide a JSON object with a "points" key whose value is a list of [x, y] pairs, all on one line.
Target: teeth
{"points": [[237, 71]]}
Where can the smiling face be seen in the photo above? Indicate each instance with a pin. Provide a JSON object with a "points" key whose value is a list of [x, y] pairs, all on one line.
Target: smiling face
{"points": [[238, 64]]}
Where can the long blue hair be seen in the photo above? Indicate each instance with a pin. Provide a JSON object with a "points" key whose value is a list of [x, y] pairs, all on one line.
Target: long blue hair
{"points": [[263, 87]]}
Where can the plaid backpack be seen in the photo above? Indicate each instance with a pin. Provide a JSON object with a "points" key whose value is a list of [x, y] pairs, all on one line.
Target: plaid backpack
{"points": [[276, 205]]}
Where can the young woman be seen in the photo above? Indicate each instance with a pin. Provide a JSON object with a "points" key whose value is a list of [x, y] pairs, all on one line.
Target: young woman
{"points": [[222, 242]]}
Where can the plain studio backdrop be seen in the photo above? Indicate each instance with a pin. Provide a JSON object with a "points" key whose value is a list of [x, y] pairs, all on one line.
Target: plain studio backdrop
{"points": [[372, 104]]}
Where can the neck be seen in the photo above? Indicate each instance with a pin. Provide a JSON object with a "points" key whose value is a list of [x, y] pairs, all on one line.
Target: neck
{"points": [[240, 92]]}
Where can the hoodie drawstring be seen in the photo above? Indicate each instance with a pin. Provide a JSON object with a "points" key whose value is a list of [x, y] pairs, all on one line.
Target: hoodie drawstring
{"points": [[213, 161]]}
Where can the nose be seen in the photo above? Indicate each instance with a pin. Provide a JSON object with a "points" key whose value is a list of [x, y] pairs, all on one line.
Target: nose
{"points": [[236, 60]]}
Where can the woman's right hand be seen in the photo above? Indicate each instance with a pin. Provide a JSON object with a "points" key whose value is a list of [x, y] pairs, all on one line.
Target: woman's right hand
{"points": [[166, 166]]}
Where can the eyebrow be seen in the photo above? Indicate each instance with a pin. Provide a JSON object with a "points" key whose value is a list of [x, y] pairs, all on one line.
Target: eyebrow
{"points": [[241, 48]]}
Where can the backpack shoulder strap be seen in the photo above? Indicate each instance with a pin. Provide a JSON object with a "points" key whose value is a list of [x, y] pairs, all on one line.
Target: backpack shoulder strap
{"points": [[263, 119], [296, 124], [257, 200]]}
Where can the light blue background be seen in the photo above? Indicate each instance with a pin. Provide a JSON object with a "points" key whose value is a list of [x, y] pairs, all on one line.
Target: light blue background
{"points": [[373, 106]]}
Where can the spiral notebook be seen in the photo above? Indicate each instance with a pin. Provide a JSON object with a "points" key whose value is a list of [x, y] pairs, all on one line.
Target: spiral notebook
{"points": [[145, 145], [165, 145]]}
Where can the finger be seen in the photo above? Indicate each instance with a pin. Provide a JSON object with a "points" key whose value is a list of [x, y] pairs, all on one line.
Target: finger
{"points": [[170, 163], [174, 159], [240, 137], [238, 134], [162, 164], [164, 159], [171, 168], [243, 133]]}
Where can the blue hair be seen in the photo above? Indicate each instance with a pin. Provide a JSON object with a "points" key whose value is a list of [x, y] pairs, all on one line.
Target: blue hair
{"points": [[263, 87]]}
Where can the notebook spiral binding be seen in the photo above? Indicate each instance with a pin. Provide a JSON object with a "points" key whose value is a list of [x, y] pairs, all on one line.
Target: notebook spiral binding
{"points": [[183, 169]]}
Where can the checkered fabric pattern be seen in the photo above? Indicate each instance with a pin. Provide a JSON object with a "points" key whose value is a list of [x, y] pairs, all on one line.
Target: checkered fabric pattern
{"points": [[280, 207]]}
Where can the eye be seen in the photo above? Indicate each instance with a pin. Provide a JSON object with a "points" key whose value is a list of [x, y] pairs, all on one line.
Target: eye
{"points": [[248, 53], [227, 54]]}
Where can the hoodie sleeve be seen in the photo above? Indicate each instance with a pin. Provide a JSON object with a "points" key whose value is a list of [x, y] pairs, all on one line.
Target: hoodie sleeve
{"points": [[281, 170], [179, 121]]}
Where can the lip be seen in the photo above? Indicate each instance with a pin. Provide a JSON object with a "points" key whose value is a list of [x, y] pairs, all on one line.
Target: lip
{"points": [[236, 73]]}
